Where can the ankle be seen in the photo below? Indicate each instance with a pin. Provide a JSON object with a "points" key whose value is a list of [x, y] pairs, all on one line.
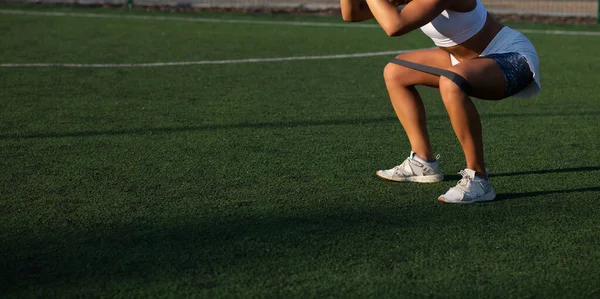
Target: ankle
{"points": [[433, 163], [427, 158], [481, 175]]}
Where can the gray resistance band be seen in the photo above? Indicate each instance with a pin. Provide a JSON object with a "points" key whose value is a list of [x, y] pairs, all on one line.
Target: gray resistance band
{"points": [[456, 78]]}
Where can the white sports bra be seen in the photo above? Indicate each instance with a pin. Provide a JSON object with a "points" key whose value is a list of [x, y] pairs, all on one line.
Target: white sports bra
{"points": [[451, 28]]}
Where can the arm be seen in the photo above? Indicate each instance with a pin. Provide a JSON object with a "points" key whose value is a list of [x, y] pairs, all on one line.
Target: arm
{"points": [[414, 15], [355, 10]]}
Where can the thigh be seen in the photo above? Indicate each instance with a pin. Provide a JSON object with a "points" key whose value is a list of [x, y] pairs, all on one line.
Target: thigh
{"points": [[431, 57], [485, 76]]}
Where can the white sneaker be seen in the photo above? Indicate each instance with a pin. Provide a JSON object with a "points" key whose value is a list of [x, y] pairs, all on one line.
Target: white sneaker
{"points": [[412, 170], [469, 189]]}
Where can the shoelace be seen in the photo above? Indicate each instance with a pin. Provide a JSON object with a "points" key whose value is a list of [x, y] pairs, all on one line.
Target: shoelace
{"points": [[463, 184]]}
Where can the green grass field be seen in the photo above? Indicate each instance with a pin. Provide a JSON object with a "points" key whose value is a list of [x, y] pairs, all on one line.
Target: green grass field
{"points": [[258, 179]]}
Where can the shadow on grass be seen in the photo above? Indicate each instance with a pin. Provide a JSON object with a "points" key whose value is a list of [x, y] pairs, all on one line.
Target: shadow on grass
{"points": [[208, 127], [262, 254], [545, 171], [456, 177], [504, 196], [202, 253], [254, 254], [251, 125]]}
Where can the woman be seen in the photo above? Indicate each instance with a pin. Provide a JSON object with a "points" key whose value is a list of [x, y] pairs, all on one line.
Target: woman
{"points": [[475, 55]]}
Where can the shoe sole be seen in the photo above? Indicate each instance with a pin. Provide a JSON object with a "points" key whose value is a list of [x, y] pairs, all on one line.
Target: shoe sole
{"points": [[415, 179], [486, 197]]}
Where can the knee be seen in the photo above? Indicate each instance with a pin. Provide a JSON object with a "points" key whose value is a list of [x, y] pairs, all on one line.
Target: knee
{"points": [[448, 87], [394, 74]]}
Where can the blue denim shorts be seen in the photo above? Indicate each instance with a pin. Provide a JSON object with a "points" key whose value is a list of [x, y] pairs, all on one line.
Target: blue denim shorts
{"points": [[515, 68]]}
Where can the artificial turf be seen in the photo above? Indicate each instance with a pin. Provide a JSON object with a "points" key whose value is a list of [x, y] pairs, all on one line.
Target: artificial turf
{"points": [[257, 179]]}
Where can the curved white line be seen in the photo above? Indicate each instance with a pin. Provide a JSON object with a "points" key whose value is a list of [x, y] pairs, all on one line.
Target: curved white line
{"points": [[181, 63], [201, 20], [250, 60], [560, 32], [233, 21]]}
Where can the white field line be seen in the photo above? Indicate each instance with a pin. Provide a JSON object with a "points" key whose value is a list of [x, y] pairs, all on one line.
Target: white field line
{"points": [[181, 63], [560, 32], [181, 19], [233, 61], [290, 23]]}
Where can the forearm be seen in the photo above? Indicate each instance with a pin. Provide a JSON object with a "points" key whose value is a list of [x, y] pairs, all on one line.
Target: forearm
{"points": [[415, 14], [355, 10], [387, 15]]}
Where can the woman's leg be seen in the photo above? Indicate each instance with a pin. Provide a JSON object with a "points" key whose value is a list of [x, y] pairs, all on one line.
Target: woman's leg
{"points": [[400, 82], [487, 82]]}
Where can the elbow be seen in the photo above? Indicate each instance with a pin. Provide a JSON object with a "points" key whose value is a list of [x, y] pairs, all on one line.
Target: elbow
{"points": [[349, 17], [347, 14], [392, 33], [394, 30]]}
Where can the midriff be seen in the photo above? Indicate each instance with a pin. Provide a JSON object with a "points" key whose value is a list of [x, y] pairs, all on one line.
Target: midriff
{"points": [[472, 47]]}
